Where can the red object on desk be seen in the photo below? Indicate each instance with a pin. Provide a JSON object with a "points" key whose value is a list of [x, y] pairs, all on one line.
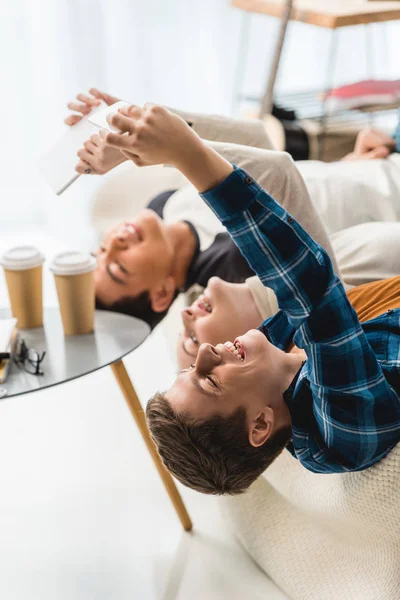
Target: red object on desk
{"points": [[364, 93]]}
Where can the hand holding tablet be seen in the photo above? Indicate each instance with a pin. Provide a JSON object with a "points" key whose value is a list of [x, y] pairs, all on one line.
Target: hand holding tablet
{"points": [[58, 164]]}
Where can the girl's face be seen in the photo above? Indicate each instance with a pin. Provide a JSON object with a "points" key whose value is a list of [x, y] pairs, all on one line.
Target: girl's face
{"points": [[223, 312]]}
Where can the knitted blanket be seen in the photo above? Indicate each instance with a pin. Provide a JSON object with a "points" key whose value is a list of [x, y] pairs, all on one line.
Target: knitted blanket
{"points": [[324, 537]]}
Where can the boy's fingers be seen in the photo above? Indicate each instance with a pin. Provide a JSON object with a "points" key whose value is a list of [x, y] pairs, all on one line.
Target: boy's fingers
{"points": [[83, 167], [118, 141], [90, 146], [380, 152], [72, 120], [95, 139], [88, 100], [125, 124], [131, 111], [85, 155], [98, 94], [103, 96], [82, 108]]}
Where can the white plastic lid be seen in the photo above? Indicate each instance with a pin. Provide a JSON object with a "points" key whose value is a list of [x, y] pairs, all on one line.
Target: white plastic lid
{"points": [[22, 257], [73, 263]]}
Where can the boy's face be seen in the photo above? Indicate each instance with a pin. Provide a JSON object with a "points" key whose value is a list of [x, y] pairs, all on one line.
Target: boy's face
{"points": [[221, 381], [217, 315], [134, 257]]}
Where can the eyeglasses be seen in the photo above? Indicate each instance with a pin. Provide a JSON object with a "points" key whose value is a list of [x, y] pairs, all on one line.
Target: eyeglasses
{"points": [[28, 358]]}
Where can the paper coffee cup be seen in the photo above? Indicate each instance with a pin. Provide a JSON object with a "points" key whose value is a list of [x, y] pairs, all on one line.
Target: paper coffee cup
{"points": [[23, 272], [73, 275]]}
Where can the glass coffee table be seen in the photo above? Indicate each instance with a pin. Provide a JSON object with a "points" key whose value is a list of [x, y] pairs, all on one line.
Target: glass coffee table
{"points": [[70, 357]]}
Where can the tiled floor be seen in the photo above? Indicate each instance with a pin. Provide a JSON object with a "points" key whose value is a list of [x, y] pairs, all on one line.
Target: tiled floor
{"points": [[83, 514]]}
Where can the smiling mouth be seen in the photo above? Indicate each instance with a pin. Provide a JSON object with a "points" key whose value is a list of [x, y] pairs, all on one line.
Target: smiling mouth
{"points": [[204, 303], [134, 230], [236, 349]]}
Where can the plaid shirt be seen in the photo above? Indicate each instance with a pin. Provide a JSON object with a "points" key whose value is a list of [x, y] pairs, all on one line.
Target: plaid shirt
{"points": [[344, 401], [396, 137]]}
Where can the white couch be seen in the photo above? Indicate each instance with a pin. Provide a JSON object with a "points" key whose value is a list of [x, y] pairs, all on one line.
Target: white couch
{"points": [[318, 537]]}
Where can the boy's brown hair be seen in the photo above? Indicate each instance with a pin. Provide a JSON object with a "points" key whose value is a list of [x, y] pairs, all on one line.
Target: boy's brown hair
{"points": [[212, 456]]}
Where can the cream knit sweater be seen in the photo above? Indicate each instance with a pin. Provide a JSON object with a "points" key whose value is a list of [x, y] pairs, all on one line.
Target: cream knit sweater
{"points": [[324, 537]]}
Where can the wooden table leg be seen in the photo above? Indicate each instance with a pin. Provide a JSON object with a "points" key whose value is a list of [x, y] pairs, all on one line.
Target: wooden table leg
{"points": [[136, 409], [268, 97]]}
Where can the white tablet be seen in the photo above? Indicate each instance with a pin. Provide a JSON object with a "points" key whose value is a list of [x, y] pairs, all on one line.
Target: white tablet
{"points": [[99, 118], [58, 164]]}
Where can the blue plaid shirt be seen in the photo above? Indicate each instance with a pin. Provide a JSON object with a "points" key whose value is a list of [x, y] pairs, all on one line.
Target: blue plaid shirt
{"points": [[344, 401], [396, 137]]}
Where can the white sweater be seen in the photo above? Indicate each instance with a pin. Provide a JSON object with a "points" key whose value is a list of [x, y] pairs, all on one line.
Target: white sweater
{"points": [[324, 537]]}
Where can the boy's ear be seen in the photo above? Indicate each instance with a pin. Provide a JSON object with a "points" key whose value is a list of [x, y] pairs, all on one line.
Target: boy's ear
{"points": [[162, 297], [261, 428]]}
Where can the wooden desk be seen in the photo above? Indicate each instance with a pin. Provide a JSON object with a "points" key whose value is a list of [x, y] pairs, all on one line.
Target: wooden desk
{"points": [[331, 14]]}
